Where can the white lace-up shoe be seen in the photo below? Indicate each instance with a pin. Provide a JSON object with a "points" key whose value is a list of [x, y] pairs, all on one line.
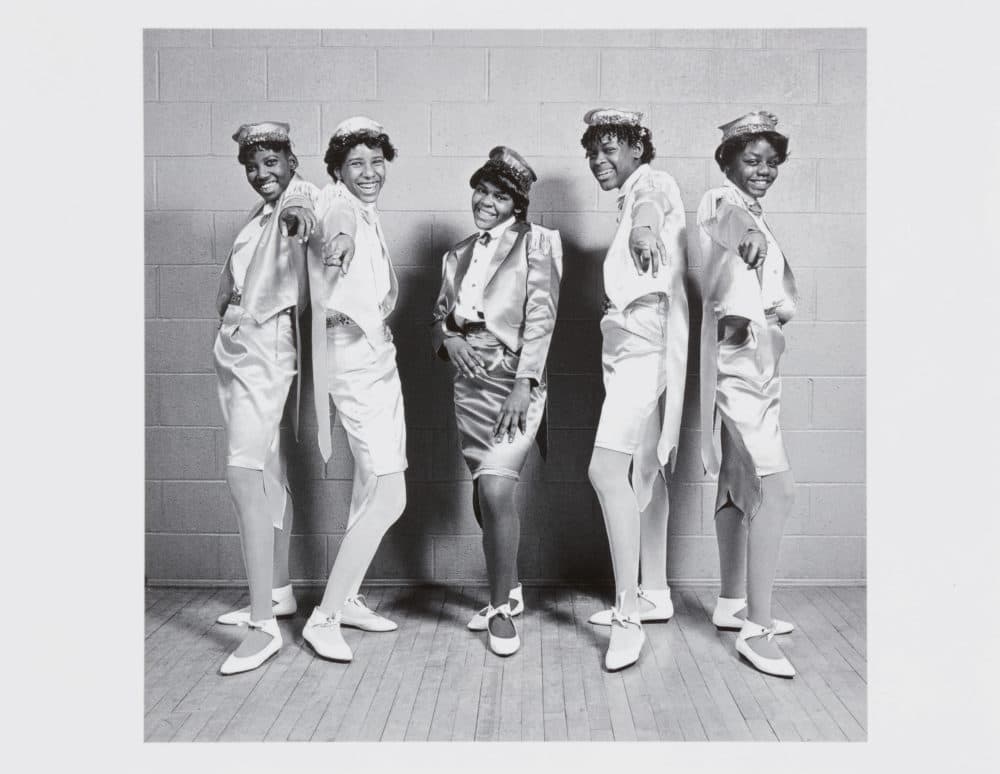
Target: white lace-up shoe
{"points": [[502, 646], [627, 638], [356, 613], [478, 622], [323, 633], [654, 605], [724, 616], [236, 664], [284, 605], [779, 667]]}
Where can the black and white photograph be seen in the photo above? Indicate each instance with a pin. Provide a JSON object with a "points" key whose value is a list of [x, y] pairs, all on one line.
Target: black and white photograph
{"points": [[519, 377]]}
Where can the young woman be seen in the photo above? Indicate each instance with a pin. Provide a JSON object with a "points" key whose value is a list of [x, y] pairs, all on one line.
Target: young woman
{"points": [[749, 294], [644, 357], [353, 290], [261, 293], [493, 320]]}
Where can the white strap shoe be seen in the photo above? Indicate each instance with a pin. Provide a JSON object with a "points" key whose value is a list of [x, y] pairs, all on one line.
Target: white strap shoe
{"points": [[236, 664], [357, 614], [779, 667], [323, 633], [654, 605], [502, 646], [724, 616], [627, 638], [478, 622], [284, 605]]}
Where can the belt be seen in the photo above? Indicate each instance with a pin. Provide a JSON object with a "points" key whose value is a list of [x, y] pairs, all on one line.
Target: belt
{"points": [[235, 297], [472, 327]]}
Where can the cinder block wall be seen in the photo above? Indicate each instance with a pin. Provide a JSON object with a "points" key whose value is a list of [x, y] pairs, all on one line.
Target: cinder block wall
{"points": [[446, 97]]}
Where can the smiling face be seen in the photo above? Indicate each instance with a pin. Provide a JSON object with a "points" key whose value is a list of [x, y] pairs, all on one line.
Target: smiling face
{"points": [[269, 172], [491, 205], [612, 161], [755, 169], [363, 172]]}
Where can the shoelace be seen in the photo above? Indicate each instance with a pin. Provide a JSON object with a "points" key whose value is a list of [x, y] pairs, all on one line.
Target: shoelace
{"points": [[331, 621], [359, 600], [621, 620]]}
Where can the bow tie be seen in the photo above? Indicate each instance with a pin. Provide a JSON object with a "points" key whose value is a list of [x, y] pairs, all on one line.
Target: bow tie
{"points": [[755, 208], [484, 238]]}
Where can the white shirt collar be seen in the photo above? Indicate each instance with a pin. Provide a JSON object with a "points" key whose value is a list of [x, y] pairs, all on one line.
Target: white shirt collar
{"points": [[632, 180], [748, 200], [498, 229]]}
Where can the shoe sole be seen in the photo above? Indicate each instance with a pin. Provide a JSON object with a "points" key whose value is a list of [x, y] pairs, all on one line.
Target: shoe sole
{"points": [[366, 629], [738, 628], [643, 620], [243, 623], [763, 671], [327, 658]]}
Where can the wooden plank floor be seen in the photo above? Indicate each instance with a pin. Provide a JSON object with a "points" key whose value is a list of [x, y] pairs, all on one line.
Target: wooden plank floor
{"points": [[434, 680]]}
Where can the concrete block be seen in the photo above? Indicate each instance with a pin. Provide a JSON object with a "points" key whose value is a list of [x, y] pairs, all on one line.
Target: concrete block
{"points": [[492, 38], [189, 400], [182, 557], [149, 183], [176, 38], [564, 185], [692, 557], [409, 237], [842, 77], [264, 38], [821, 240], [440, 508], [321, 74], [562, 127], [572, 557], [180, 346], [154, 504], [398, 557], [216, 75], [709, 38], [837, 509], [551, 509], [824, 349], [308, 557], [575, 401], [569, 455], [226, 225], [471, 129], [448, 463], [543, 74], [408, 125], [576, 348], [796, 403], [151, 291], [794, 190], [691, 129], [348, 37], [819, 557], [196, 507], [418, 288], [202, 183], [826, 456], [582, 287], [432, 74], [449, 228], [419, 443], [458, 558], [701, 75], [151, 402], [840, 294], [189, 292], [176, 129], [805, 284], [803, 38], [302, 117], [798, 519], [824, 131], [599, 38], [427, 183], [839, 404], [321, 507], [685, 509], [181, 453], [427, 392], [150, 77], [842, 185], [178, 237]]}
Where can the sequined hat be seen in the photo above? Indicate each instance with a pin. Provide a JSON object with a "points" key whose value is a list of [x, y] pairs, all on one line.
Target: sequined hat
{"points": [[599, 116], [358, 125], [751, 123], [511, 166], [265, 131]]}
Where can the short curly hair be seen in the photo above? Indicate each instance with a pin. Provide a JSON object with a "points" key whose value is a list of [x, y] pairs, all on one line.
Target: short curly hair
{"points": [[341, 145], [489, 175], [280, 146], [630, 134], [733, 147]]}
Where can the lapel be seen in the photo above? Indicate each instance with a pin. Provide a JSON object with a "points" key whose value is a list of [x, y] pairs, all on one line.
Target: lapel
{"points": [[463, 251], [508, 241]]}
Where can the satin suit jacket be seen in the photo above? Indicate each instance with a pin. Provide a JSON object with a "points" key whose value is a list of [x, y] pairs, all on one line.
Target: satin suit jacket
{"points": [[520, 293], [276, 278], [729, 288]]}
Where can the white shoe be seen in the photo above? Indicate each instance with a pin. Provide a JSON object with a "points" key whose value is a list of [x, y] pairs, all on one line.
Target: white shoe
{"points": [[478, 622], [779, 667], [323, 633], [357, 614], [284, 605], [627, 638], [236, 664], [502, 646], [654, 605], [724, 617]]}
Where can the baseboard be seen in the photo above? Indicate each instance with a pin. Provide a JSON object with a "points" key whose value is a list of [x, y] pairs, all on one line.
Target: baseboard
{"points": [[561, 583]]}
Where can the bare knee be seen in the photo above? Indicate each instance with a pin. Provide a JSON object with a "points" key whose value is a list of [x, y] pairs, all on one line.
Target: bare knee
{"points": [[605, 471], [496, 497]]}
